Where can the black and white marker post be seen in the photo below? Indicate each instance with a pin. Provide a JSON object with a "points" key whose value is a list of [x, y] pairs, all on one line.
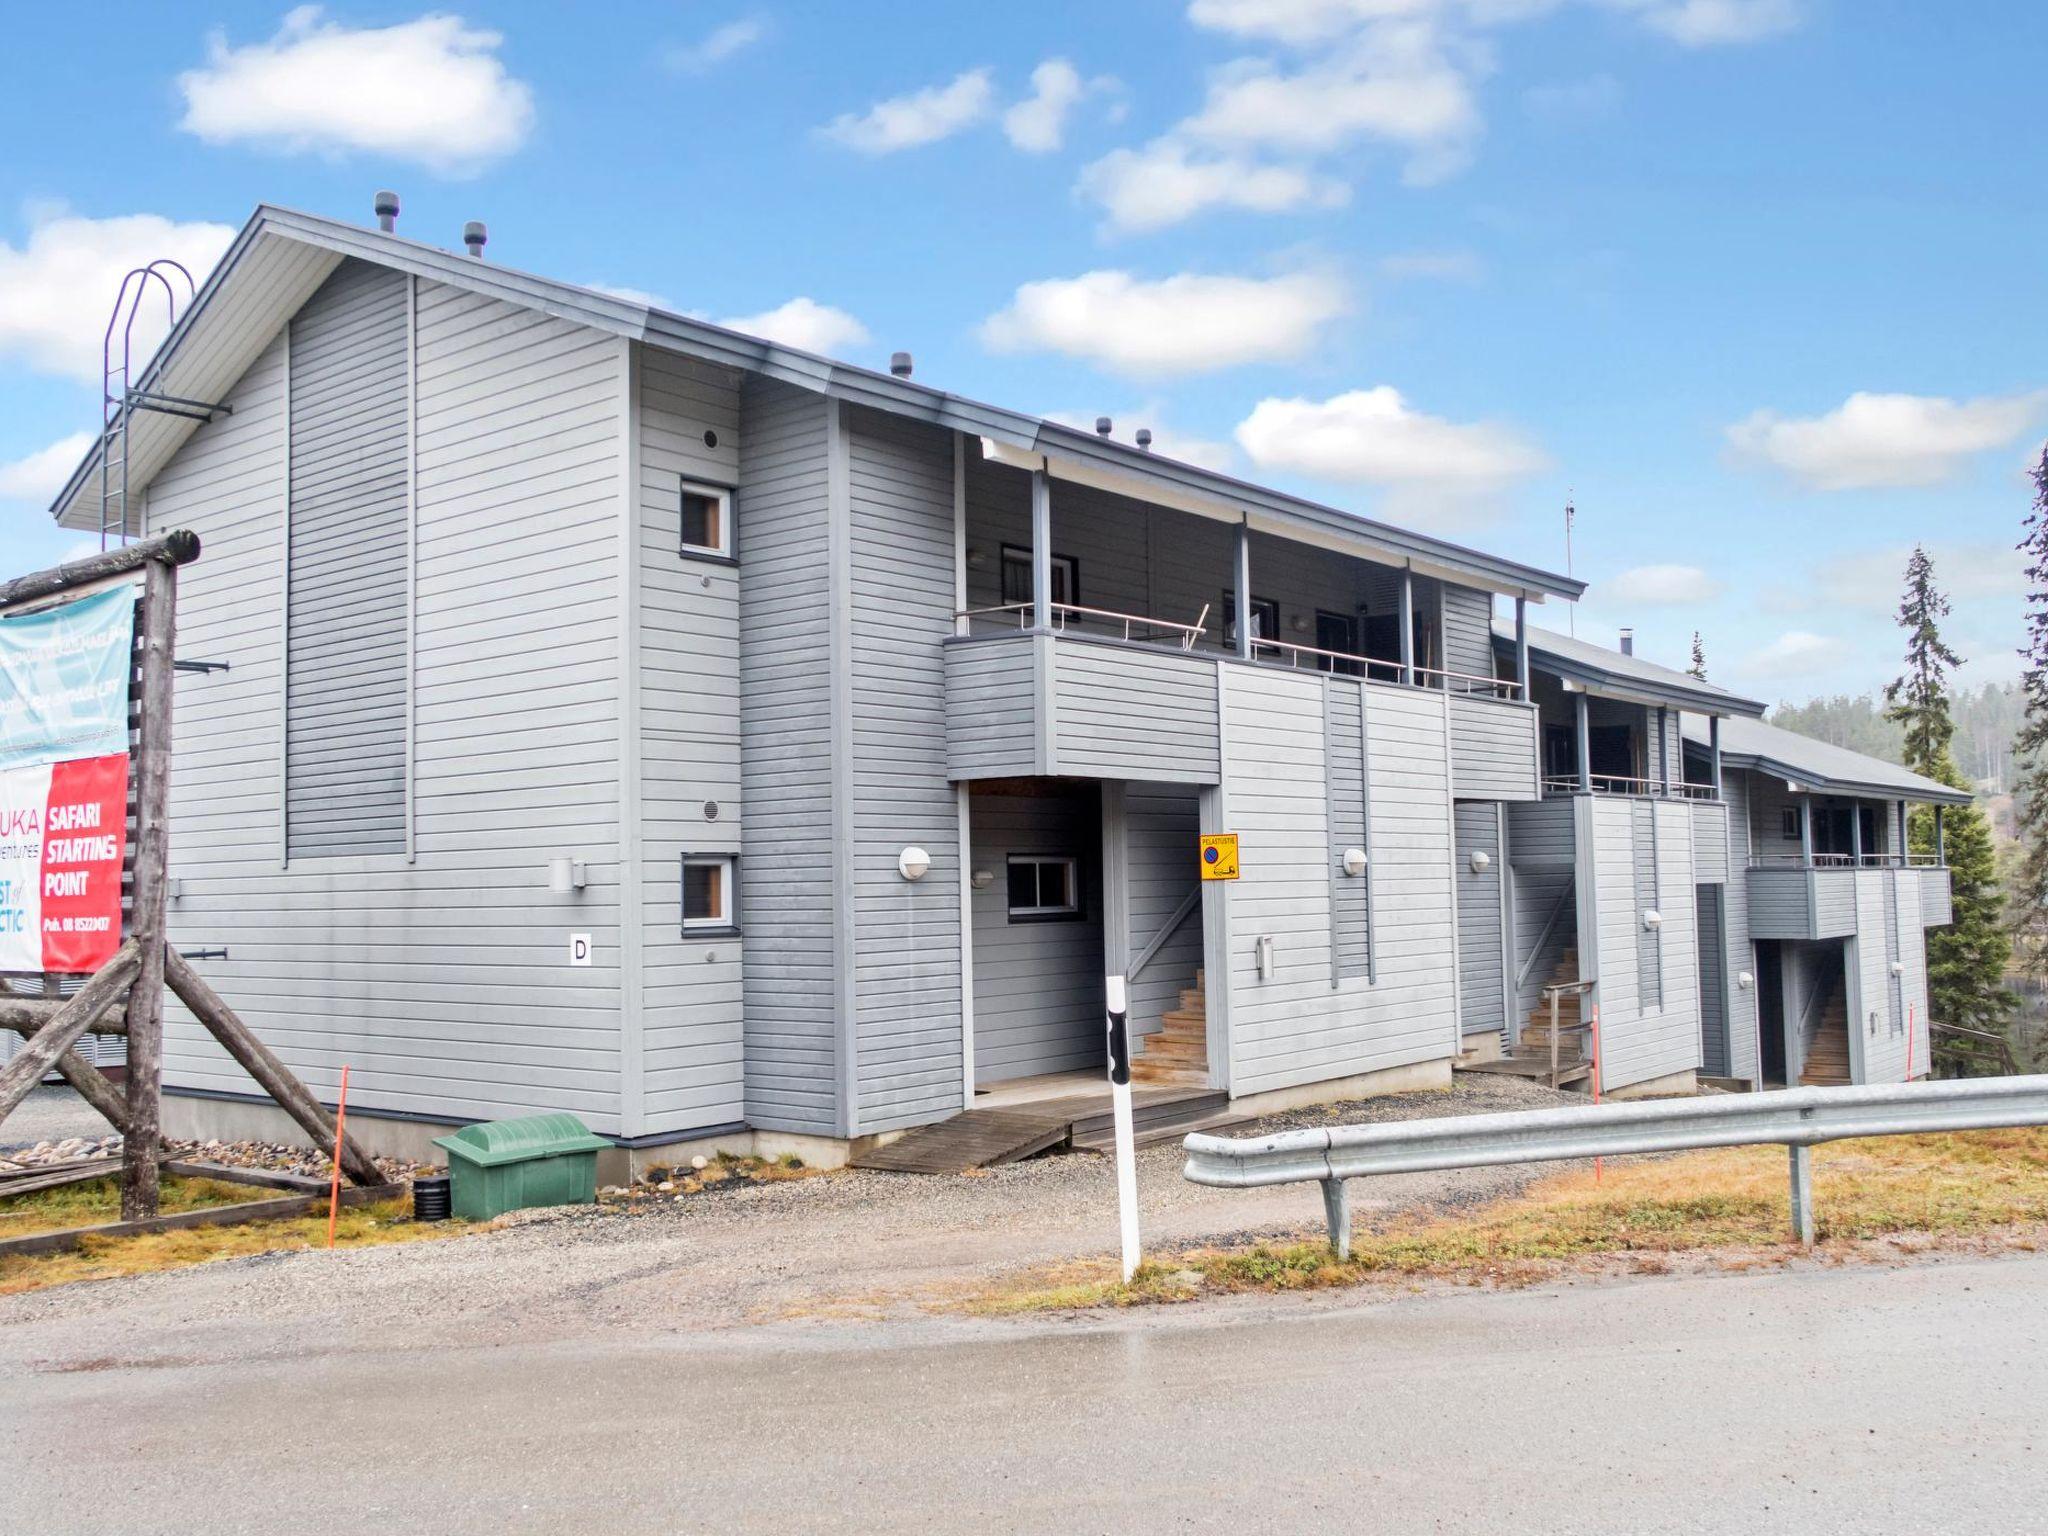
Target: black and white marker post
{"points": [[1120, 1104]]}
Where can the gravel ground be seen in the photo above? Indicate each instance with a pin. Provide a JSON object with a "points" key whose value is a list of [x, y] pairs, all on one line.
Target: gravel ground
{"points": [[853, 1244], [50, 1114]]}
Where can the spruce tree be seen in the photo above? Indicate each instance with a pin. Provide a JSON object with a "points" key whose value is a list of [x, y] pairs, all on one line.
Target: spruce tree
{"points": [[1967, 960], [2030, 745], [1698, 668]]}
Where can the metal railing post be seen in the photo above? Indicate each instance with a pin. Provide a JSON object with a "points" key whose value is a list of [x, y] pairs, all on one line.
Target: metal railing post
{"points": [[1802, 1195], [1337, 1210], [1553, 1034]]}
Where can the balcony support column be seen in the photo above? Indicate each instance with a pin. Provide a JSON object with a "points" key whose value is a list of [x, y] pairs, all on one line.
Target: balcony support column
{"points": [[1585, 743], [1855, 837], [1806, 831], [1041, 549], [1407, 627], [1940, 838], [1714, 753], [1244, 590], [1522, 646]]}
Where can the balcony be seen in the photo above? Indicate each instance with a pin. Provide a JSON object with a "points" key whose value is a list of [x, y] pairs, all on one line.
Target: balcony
{"points": [[1121, 696], [1795, 898]]}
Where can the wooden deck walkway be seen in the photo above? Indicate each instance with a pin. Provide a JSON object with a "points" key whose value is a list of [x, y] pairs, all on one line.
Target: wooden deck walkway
{"points": [[989, 1137]]}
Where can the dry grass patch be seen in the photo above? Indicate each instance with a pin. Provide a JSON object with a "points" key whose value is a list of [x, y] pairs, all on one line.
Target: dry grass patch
{"points": [[106, 1258], [1638, 1216]]}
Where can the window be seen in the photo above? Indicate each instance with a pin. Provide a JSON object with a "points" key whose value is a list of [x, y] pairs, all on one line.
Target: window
{"points": [[1337, 632], [1066, 577], [1265, 618], [707, 892], [1790, 827], [707, 520], [1044, 886]]}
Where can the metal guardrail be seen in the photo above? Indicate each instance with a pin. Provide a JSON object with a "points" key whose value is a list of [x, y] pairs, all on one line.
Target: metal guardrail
{"points": [[1796, 1118]]}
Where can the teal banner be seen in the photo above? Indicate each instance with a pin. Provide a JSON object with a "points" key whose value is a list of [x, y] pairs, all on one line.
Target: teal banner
{"points": [[64, 680]]}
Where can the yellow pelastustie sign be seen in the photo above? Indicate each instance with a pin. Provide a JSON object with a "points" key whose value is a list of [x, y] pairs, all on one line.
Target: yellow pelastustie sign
{"points": [[1219, 856]]}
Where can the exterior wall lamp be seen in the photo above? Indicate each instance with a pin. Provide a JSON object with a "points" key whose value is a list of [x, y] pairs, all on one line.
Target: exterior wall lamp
{"points": [[912, 863], [1354, 861], [984, 878], [1481, 861], [566, 876], [1653, 920]]}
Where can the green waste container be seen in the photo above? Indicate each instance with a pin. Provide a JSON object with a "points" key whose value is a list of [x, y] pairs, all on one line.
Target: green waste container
{"points": [[510, 1165]]}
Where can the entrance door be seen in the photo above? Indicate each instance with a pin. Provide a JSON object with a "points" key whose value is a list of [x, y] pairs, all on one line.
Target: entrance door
{"points": [[1770, 1007], [1336, 632]]}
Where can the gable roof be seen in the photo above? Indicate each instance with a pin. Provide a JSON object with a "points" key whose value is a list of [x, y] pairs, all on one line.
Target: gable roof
{"points": [[1615, 675], [281, 257], [1819, 766]]}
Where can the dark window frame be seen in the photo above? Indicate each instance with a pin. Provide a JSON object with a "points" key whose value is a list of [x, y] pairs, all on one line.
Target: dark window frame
{"points": [[1013, 555], [708, 928], [1075, 912], [1261, 606]]}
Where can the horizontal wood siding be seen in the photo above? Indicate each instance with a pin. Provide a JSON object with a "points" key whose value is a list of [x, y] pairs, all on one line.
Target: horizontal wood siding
{"points": [[1350, 826], [1297, 1027], [1038, 999], [1643, 1035], [1743, 1058], [1468, 630], [1834, 902], [345, 753], [786, 900], [445, 983], [992, 702], [1710, 841], [1937, 898], [692, 992], [1126, 712], [1493, 748], [1542, 833], [906, 958], [1780, 904], [1482, 1004], [1713, 972]]}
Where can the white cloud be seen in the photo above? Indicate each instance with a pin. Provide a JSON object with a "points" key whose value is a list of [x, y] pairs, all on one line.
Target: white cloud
{"points": [[804, 324], [1374, 437], [1650, 586], [1716, 23], [1300, 22], [1873, 580], [922, 117], [1797, 653], [1433, 266], [716, 46], [432, 90], [1038, 124], [1396, 83], [41, 475], [57, 289], [1872, 441], [1189, 323], [1167, 182], [630, 295]]}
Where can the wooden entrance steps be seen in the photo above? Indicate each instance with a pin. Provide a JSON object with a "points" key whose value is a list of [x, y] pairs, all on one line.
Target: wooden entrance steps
{"points": [[990, 1137], [1827, 1058], [1178, 1051], [1530, 1055]]}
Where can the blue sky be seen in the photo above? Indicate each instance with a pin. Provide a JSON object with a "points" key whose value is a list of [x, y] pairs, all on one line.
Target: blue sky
{"points": [[1756, 283]]}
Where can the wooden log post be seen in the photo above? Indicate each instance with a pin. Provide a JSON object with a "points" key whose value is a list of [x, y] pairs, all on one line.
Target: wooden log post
{"points": [[139, 1174], [180, 547], [64, 1028], [275, 1078], [26, 1015], [91, 1083]]}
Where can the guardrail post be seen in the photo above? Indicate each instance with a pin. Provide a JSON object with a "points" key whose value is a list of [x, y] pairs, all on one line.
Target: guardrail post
{"points": [[1802, 1195], [1337, 1207]]}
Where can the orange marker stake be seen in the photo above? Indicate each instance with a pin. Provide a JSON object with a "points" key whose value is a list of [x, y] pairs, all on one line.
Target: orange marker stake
{"points": [[334, 1188]]}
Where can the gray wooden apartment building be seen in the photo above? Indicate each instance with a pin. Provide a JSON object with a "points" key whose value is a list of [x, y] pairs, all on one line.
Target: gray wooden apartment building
{"points": [[735, 747]]}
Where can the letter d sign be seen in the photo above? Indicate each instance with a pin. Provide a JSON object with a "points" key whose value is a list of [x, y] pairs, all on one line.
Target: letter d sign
{"points": [[579, 949]]}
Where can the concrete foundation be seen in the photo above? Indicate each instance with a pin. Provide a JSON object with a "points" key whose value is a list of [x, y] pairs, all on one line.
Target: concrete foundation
{"points": [[1671, 1086]]}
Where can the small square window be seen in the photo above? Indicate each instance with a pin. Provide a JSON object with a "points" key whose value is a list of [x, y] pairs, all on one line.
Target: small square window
{"points": [[1791, 824], [706, 520], [1044, 885], [707, 893], [1265, 617]]}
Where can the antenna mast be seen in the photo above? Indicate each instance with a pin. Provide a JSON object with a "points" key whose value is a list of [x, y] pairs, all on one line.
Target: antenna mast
{"points": [[1570, 514]]}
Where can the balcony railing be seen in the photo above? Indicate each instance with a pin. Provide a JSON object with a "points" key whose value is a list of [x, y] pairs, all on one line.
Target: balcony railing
{"points": [[1105, 621], [1619, 784], [1382, 670], [1846, 861]]}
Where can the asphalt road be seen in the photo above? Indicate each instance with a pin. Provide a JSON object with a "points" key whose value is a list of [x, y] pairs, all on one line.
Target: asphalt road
{"points": [[1839, 1400]]}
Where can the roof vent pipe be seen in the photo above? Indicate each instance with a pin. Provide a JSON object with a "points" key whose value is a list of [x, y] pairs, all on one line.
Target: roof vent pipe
{"points": [[1102, 425], [474, 235], [1628, 642], [387, 211], [1145, 438], [899, 364]]}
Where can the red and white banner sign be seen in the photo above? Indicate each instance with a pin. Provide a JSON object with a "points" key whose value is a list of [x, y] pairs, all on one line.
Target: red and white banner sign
{"points": [[62, 838]]}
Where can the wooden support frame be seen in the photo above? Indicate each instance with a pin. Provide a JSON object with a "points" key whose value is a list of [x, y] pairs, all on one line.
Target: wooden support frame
{"points": [[125, 997]]}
